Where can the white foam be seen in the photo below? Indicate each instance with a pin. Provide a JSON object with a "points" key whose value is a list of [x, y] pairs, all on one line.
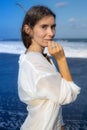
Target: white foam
{"points": [[13, 47], [72, 49]]}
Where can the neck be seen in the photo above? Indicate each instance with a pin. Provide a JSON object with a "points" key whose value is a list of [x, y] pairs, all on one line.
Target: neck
{"points": [[36, 47]]}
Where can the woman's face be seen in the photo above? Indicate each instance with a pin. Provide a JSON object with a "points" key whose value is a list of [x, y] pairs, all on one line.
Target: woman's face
{"points": [[43, 31]]}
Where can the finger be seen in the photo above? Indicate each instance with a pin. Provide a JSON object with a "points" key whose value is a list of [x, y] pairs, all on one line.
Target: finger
{"points": [[59, 47], [53, 46], [49, 45]]}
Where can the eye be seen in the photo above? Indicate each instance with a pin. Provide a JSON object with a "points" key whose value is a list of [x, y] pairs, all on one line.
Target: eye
{"points": [[53, 27], [44, 26]]}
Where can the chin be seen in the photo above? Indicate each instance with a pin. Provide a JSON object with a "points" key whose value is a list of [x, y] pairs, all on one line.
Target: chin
{"points": [[46, 45]]}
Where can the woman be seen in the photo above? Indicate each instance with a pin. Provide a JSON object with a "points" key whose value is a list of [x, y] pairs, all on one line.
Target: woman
{"points": [[40, 85]]}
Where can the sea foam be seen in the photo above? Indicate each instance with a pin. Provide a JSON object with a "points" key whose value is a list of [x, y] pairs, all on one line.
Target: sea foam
{"points": [[72, 49]]}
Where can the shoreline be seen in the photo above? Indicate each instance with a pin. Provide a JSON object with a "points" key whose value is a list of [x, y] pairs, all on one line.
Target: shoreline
{"points": [[3, 53]]}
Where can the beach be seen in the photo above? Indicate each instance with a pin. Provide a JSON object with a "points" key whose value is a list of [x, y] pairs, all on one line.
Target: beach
{"points": [[13, 112]]}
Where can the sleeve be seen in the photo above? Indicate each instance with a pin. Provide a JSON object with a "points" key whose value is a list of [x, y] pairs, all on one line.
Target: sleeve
{"points": [[57, 89], [68, 92], [35, 84], [48, 87]]}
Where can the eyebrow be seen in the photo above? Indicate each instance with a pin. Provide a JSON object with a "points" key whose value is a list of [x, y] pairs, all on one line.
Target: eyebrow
{"points": [[48, 25], [54, 25]]}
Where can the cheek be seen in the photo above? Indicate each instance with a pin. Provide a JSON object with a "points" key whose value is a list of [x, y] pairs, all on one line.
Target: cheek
{"points": [[39, 33]]}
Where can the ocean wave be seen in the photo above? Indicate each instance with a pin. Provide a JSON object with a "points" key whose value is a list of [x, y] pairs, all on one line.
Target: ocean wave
{"points": [[12, 47], [72, 49], [13, 120]]}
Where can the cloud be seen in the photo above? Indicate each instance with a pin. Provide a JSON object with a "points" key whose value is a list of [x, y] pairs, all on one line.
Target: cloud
{"points": [[76, 24], [72, 20], [61, 4]]}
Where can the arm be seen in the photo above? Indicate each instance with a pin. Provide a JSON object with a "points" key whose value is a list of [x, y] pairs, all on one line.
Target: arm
{"points": [[57, 52], [63, 68], [62, 128]]}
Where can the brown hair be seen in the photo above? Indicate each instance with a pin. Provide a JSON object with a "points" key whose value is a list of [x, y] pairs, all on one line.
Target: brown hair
{"points": [[32, 16]]}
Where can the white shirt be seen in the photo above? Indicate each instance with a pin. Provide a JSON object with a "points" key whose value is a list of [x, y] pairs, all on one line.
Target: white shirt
{"points": [[43, 89]]}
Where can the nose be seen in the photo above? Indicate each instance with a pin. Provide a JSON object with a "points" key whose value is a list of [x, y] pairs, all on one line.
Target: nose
{"points": [[51, 32]]}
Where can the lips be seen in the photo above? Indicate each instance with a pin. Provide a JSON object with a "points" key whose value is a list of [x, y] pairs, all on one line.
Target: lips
{"points": [[48, 39]]}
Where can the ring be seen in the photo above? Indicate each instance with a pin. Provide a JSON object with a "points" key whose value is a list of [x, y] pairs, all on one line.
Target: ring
{"points": [[53, 46]]}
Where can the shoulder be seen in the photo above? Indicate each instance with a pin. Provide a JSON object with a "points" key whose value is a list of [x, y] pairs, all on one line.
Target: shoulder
{"points": [[29, 57], [34, 57], [38, 62]]}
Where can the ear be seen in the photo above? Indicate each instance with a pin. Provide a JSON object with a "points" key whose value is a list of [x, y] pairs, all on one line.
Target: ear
{"points": [[26, 29]]}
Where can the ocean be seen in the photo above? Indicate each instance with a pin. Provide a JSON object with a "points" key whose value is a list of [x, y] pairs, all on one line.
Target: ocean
{"points": [[13, 112]]}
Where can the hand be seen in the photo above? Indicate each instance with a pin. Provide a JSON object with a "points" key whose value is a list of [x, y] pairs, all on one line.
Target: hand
{"points": [[56, 50]]}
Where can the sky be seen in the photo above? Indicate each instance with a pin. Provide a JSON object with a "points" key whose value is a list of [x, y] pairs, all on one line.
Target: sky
{"points": [[71, 17]]}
